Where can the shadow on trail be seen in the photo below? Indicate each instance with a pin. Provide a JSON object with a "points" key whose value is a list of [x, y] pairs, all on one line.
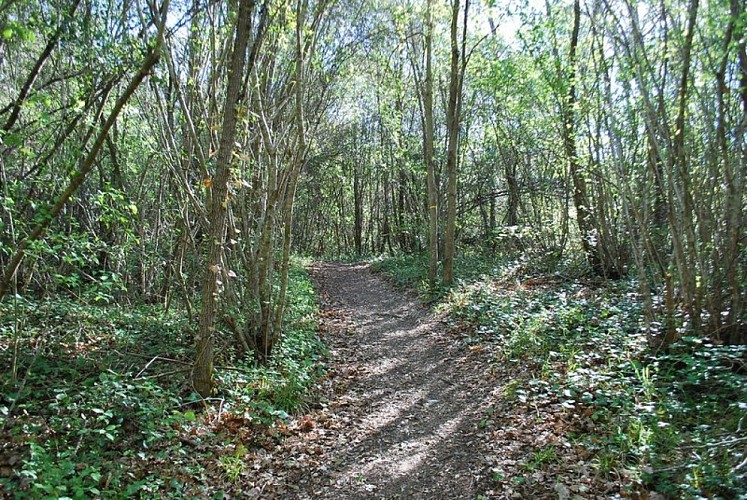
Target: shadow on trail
{"points": [[412, 412]]}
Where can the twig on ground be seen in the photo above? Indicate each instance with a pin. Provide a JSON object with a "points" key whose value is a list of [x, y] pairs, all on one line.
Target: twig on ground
{"points": [[164, 374], [148, 356], [727, 442]]}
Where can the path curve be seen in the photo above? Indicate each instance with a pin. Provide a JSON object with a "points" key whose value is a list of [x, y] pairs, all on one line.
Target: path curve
{"points": [[408, 398]]}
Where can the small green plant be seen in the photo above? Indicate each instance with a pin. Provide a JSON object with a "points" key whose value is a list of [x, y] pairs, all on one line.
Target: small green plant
{"points": [[645, 379], [605, 463], [234, 465], [497, 474], [511, 389], [543, 456], [59, 474]]}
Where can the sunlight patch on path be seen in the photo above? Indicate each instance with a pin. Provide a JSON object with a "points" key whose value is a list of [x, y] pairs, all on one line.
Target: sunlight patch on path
{"points": [[404, 457], [389, 413]]}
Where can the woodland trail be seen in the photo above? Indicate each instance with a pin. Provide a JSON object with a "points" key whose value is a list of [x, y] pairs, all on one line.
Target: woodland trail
{"points": [[405, 400]]}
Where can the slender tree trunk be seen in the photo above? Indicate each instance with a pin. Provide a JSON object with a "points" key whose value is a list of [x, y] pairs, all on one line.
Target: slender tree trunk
{"points": [[358, 207], [736, 243], [300, 158], [452, 125], [512, 208], [428, 153], [584, 215], [265, 262], [403, 234], [386, 228], [688, 263], [202, 376]]}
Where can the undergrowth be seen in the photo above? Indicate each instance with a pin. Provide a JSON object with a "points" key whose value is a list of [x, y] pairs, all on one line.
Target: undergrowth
{"points": [[96, 401], [670, 421], [410, 271]]}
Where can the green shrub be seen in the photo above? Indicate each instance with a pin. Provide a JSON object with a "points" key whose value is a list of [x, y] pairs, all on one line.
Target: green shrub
{"points": [[673, 421]]}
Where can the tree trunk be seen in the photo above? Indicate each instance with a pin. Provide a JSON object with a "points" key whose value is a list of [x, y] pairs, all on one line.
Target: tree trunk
{"points": [[584, 215], [358, 208], [452, 125], [290, 193], [736, 245], [202, 376], [512, 208], [428, 153], [688, 260]]}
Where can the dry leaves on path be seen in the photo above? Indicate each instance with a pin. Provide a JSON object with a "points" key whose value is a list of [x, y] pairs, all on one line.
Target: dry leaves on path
{"points": [[411, 411]]}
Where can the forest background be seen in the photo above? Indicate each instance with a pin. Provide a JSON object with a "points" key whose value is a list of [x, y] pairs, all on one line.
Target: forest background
{"points": [[162, 163]]}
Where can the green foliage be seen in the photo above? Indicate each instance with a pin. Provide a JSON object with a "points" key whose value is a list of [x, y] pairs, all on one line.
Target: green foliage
{"points": [[78, 403], [671, 420], [101, 407], [411, 271], [234, 465], [267, 393], [540, 457], [406, 271], [84, 430], [13, 30], [86, 260]]}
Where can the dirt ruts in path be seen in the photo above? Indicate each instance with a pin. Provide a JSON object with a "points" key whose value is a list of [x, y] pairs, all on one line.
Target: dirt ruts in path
{"points": [[407, 399]]}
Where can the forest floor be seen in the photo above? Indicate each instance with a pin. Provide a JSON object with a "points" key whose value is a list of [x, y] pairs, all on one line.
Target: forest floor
{"points": [[516, 386], [412, 411]]}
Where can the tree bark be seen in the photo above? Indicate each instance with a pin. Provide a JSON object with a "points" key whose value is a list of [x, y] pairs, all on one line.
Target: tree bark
{"points": [[452, 125], [358, 206], [737, 294], [584, 215], [688, 261], [290, 191], [428, 153], [202, 374]]}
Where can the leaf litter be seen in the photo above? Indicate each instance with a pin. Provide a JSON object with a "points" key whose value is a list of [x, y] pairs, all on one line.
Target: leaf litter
{"points": [[412, 408]]}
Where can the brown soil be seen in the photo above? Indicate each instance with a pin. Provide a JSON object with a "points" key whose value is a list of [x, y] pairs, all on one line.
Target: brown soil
{"points": [[411, 411], [407, 403]]}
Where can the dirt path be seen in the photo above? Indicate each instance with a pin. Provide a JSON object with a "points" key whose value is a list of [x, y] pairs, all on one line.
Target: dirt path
{"points": [[410, 411], [404, 420]]}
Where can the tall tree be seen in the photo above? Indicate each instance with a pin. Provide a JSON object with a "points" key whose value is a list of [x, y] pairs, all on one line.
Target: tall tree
{"points": [[214, 272], [584, 214], [453, 120], [428, 151]]}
